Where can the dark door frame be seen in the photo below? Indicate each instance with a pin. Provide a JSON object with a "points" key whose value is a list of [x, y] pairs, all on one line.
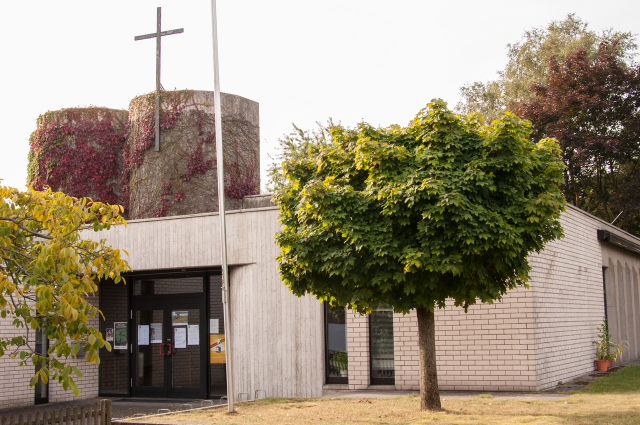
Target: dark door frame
{"points": [[167, 303]]}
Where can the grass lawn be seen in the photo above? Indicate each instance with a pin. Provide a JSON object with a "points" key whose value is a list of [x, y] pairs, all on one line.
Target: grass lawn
{"points": [[614, 399]]}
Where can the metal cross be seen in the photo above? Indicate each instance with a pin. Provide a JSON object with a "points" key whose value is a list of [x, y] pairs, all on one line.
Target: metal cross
{"points": [[159, 33]]}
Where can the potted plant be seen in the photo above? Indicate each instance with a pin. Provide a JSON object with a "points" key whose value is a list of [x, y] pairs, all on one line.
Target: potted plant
{"points": [[604, 348]]}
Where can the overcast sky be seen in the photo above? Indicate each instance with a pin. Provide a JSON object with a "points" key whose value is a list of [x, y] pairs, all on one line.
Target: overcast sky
{"points": [[302, 60]]}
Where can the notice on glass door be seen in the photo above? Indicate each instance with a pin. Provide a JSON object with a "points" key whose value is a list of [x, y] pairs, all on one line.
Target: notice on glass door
{"points": [[180, 335], [179, 317], [214, 326], [120, 331], [156, 333], [143, 334], [193, 334]]}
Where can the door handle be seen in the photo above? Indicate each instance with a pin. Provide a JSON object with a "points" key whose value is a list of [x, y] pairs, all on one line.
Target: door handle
{"points": [[163, 353]]}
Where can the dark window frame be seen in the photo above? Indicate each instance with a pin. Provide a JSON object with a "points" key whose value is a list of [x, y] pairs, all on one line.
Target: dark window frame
{"points": [[375, 380], [331, 380], [44, 346], [604, 291]]}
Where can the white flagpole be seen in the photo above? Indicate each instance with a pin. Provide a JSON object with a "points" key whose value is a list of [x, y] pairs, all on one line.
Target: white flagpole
{"points": [[223, 226]]}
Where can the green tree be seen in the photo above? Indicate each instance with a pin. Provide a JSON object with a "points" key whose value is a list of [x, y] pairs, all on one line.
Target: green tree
{"points": [[443, 209], [296, 145], [485, 99], [47, 272], [528, 63]]}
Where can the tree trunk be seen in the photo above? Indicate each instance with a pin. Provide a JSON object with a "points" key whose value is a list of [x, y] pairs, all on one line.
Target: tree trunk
{"points": [[429, 394]]}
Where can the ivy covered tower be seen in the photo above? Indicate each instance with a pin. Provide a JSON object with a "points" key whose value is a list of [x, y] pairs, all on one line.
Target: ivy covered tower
{"points": [[109, 155], [181, 177], [79, 151]]}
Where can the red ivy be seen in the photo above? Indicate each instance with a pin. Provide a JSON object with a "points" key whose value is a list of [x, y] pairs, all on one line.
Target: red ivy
{"points": [[77, 151]]}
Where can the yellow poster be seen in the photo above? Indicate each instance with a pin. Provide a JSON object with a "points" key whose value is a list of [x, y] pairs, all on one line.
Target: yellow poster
{"points": [[216, 348]]}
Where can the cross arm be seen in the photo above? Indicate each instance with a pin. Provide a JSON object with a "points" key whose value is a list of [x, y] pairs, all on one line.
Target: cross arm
{"points": [[154, 35]]}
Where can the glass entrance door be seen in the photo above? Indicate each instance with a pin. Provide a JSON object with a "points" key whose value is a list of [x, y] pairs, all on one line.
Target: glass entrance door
{"points": [[168, 348]]}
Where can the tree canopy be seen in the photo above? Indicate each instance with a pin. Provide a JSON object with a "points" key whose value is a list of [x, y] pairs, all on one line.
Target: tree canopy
{"points": [[591, 107], [410, 217], [47, 275], [528, 63], [443, 208]]}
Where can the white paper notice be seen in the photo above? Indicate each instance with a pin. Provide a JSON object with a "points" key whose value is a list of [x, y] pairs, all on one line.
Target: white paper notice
{"points": [[214, 326], [156, 333], [180, 335], [143, 334], [194, 334]]}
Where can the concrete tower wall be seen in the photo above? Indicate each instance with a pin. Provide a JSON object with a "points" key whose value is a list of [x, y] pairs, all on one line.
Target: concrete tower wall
{"points": [[182, 177]]}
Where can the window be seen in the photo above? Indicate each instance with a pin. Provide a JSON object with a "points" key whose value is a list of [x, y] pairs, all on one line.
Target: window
{"points": [[335, 332], [41, 390], [168, 286], [381, 346]]}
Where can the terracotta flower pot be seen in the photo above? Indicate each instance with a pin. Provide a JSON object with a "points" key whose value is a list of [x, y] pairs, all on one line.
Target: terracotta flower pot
{"points": [[611, 363], [602, 365]]}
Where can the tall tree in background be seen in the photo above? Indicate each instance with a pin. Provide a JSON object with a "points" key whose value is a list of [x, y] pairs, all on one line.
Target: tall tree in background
{"points": [[529, 62], [592, 107], [294, 146], [443, 209]]}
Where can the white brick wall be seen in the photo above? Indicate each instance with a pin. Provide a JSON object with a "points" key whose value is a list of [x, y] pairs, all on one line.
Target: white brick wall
{"points": [[568, 296], [358, 350], [490, 348], [14, 382], [88, 385]]}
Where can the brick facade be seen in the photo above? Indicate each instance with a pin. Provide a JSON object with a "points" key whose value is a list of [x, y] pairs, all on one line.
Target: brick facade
{"points": [[533, 338], [568, 295], [358, 350], [529, 341], [490, 348], [14, 386]]}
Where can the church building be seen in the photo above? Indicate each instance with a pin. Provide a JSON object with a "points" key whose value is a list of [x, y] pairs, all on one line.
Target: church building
{"points": [[166, 324]]}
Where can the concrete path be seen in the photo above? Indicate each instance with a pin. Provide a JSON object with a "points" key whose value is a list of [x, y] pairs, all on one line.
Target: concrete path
{"points": [[128, 407], [121, 407]]}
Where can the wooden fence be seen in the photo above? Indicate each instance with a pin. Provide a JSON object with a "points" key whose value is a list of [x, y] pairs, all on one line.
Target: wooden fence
{"points": [[88, 414]]}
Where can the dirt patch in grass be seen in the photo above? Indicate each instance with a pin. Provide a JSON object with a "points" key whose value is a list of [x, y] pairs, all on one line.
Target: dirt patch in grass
{"points": [[610, 400]]}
